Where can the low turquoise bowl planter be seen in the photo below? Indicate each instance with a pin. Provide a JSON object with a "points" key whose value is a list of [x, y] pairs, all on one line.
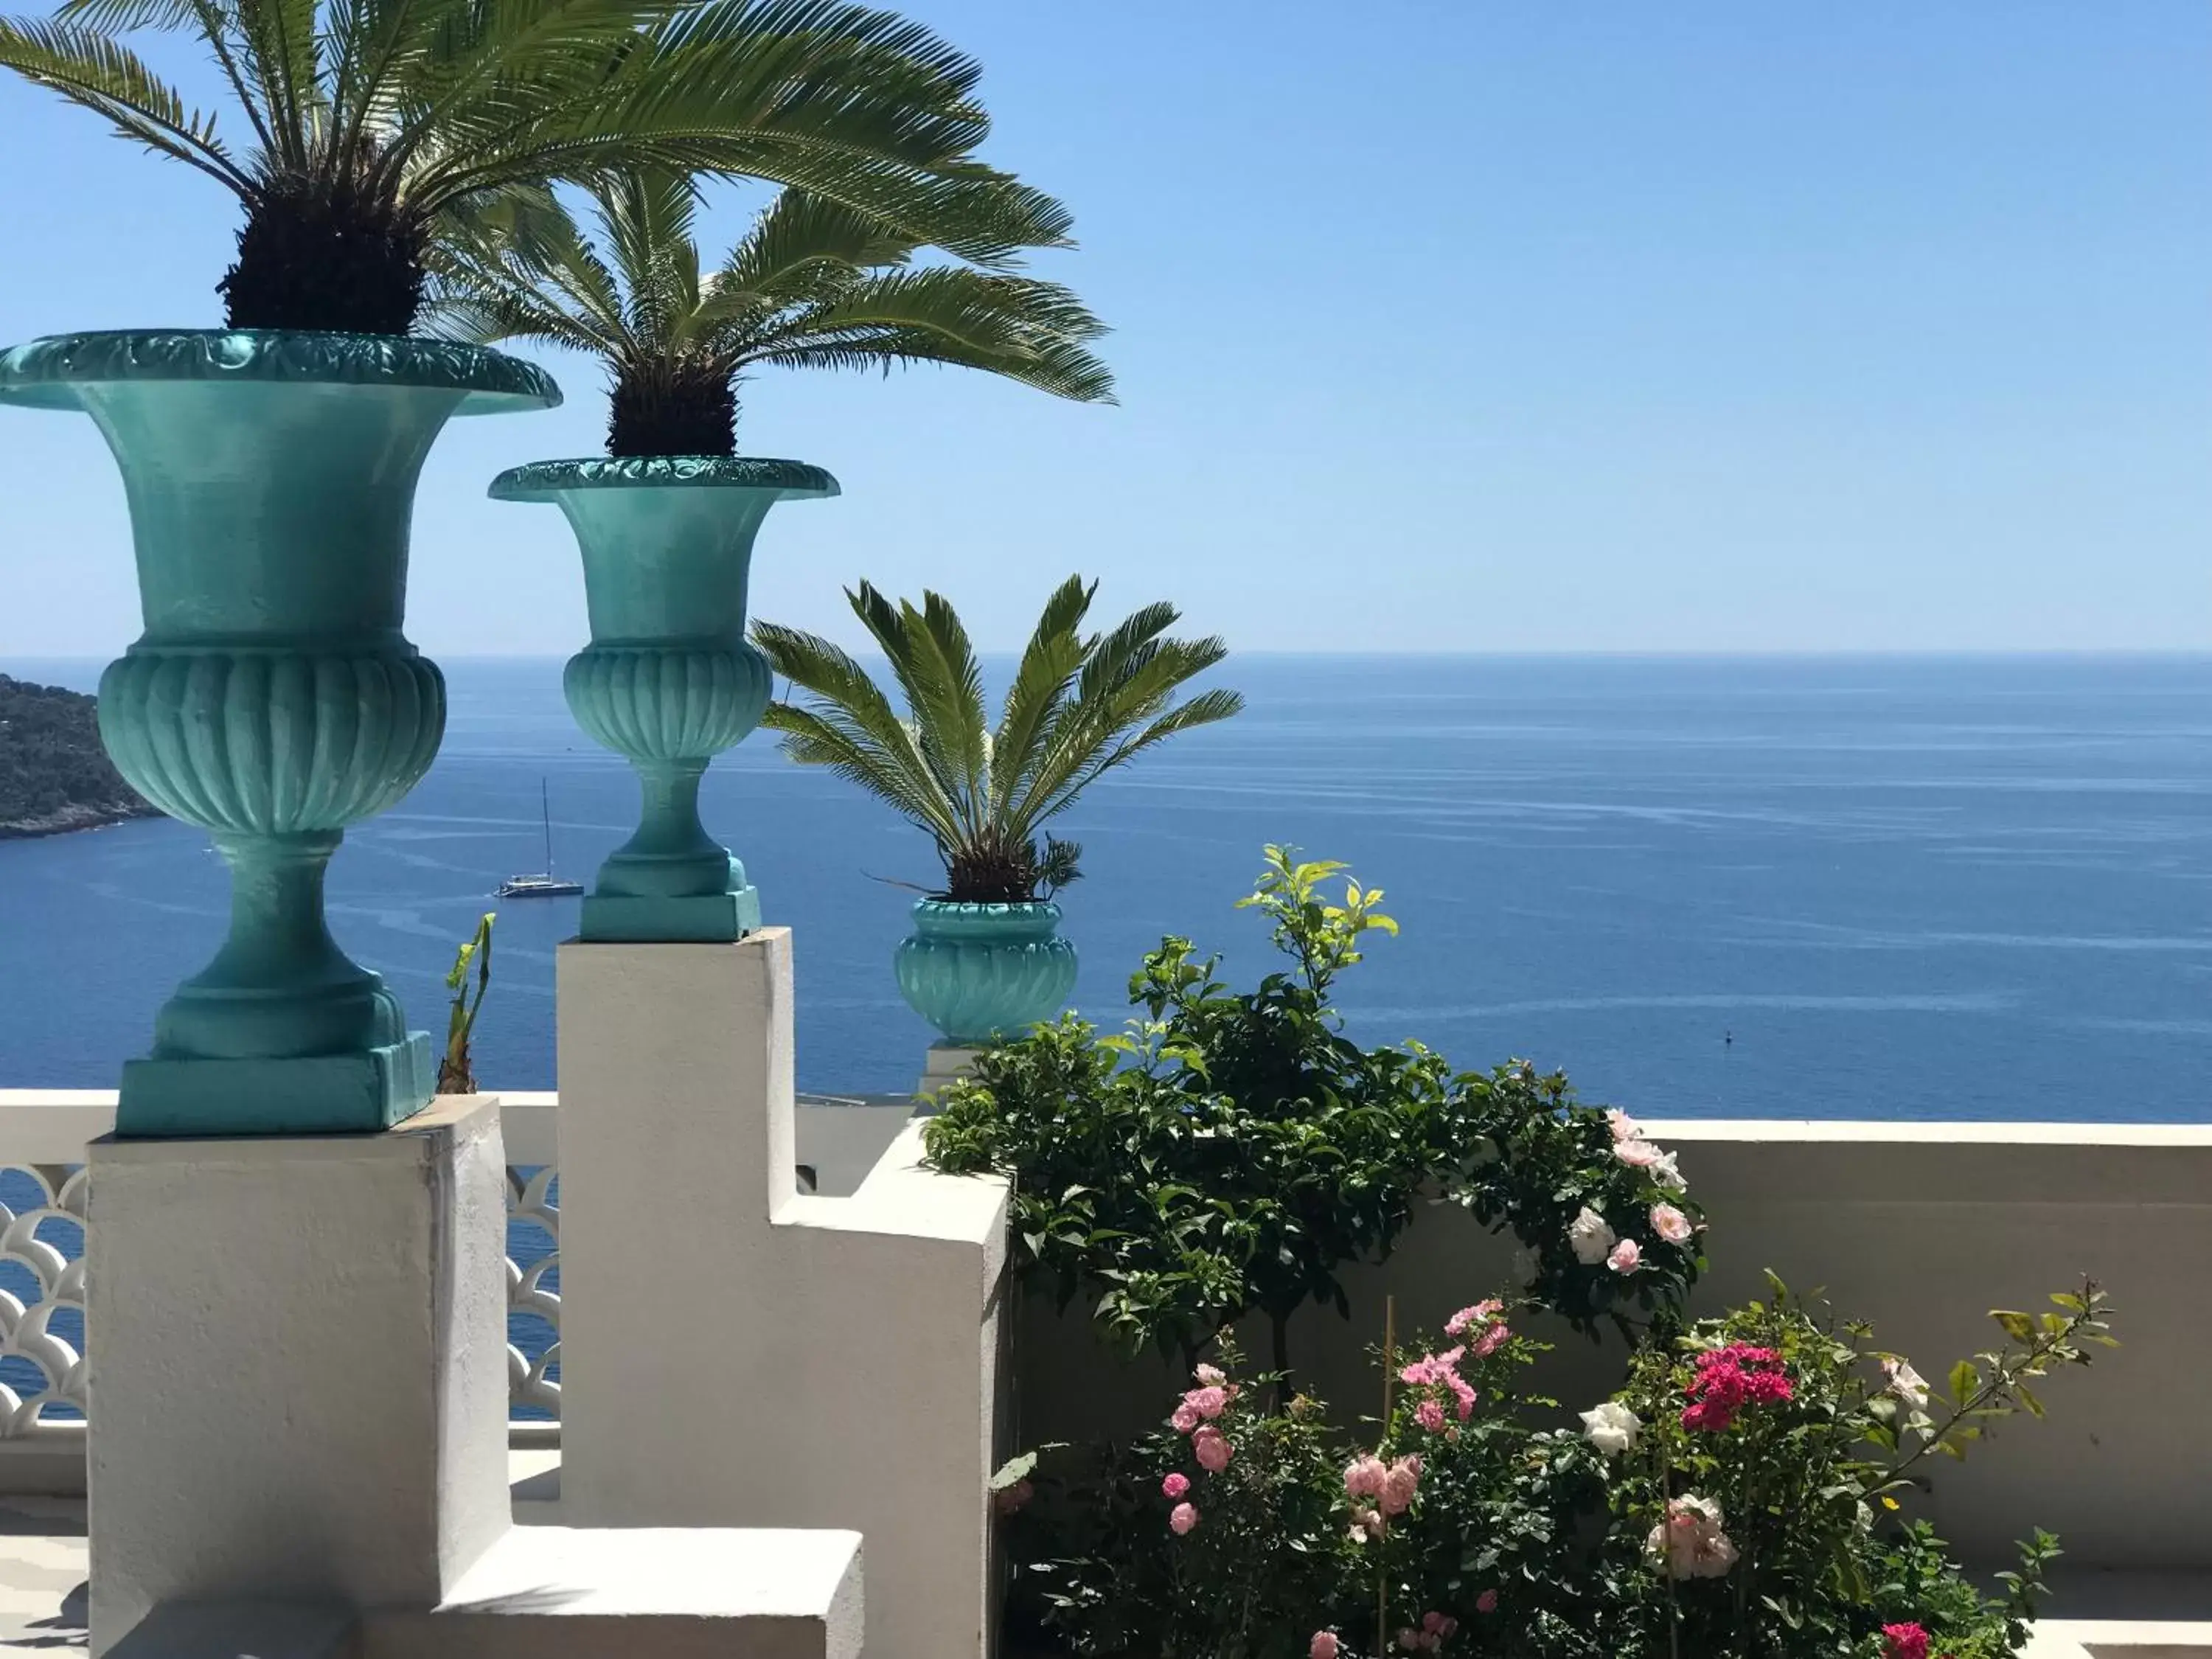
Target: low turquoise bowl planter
{"points": [[273, 699], [669, 679], [983, 972]]}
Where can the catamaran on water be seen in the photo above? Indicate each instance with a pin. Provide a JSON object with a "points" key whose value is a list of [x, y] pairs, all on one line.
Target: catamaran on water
{"points": [[545, 885]]}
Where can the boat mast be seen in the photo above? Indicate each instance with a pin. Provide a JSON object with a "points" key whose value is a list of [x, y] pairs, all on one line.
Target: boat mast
{"points": [[545, 810]]}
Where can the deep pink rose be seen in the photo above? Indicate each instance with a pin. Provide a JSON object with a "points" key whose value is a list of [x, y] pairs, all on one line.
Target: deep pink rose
{"points": [[1175, 1485]]}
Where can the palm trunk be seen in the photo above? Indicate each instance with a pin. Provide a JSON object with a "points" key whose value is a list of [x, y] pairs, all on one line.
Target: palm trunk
{"points": [[309, 257], [672, 408]]}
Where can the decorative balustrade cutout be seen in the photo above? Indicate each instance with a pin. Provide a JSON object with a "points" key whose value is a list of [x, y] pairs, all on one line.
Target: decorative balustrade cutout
{"points": [[43, 1227]]}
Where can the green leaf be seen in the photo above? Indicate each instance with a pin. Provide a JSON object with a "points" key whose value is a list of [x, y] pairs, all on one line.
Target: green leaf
{"points": [[2017, 1326], [1964, 1379]]}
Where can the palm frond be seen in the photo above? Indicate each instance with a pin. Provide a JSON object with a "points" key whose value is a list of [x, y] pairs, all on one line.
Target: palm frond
{"points": [[955, 729], [811, 738], [1018, 327], [1049, 665], [644, 220], [800, 246], [1127, 680], [87, 67], [282, 57], [848, 704], [1077, 709]]}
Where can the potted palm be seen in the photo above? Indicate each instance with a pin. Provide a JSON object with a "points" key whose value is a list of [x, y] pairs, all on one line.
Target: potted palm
{"points": [[666, 520], [985, 957], [270, 467]]}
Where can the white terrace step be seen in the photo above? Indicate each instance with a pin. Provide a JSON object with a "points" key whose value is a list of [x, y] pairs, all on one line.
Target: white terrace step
{"points": [[643, 1593], [567, 1593]]}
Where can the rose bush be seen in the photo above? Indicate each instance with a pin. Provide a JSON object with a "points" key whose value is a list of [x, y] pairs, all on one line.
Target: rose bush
{"points": [[1742, 1495], [1231, 1152]]}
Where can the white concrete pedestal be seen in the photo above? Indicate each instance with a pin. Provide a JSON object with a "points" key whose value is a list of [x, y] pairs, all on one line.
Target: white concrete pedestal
{"points": [[947, 1063], [736, 1353], [299, 1447], [299, 1374]]}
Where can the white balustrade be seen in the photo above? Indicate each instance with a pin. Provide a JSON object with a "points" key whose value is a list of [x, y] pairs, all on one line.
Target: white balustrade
{"points": [[43, 1218], [43, 1133]]}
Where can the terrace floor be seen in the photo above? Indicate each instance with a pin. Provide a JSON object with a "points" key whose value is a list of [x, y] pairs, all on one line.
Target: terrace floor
{"points": [[43, 1574]]}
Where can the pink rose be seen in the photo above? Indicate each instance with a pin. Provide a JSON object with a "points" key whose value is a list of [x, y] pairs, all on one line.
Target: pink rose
{"points": [[1184, 1421], [1174, 1485], [1903, 1642], [1212, 1448], [1324, 1645], [1208, 1402], [1181, 1519], [1670, 1224], [1010, 1500], [1492, 1339], [1637, 1154], [1462, 1393], [1487, 1602], [1481, 1313], [1625, 1257], [1430, 1415], [1624, 1127], [1364, 1477], [1433, 1623], [1409, 1638], [1399, 1483], [1209, 1377]]}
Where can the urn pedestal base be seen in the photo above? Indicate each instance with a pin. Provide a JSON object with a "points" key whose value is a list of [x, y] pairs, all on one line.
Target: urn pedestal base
{"points": [[695, 919], [364, 1091]]}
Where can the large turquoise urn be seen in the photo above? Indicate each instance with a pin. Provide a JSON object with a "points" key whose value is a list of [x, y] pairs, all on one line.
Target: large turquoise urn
{"points": [[668, 680], [272, 699], [983, 972]]}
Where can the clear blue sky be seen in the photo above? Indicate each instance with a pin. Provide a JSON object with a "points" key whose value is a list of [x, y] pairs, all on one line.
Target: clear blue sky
{"points": [[1460, 324]]}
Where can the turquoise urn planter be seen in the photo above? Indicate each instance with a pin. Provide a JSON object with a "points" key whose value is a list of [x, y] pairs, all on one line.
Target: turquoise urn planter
{"points": [[272, 699], [668, 680], [983, 972]]}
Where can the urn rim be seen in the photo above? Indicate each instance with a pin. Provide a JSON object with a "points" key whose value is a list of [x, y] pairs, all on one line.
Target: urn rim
{"points": [[47, 372], [547, 481]]}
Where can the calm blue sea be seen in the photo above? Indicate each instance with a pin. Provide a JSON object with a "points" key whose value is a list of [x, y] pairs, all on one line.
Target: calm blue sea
{"points": [[1880, 888]]}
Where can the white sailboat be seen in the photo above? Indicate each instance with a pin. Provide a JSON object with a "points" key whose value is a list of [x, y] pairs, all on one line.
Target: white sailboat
{"points": [[545, 884]]}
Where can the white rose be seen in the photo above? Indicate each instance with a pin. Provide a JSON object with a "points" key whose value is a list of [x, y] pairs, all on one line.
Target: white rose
{"points": [[1612, 1428], [1590, 1239], [1668, 1175], [1905, 1383], [1689, 1543]]}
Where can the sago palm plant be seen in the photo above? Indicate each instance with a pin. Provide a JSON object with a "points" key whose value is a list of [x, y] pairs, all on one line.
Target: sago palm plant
{"points": [[380, 130], [815, 284], [1079, 706]]}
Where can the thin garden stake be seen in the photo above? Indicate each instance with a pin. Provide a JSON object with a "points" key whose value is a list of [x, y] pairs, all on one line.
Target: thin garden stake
{"points": [[1381, 1553]]}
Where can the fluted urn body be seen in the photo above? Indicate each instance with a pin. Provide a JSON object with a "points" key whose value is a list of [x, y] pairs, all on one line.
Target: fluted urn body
{"points": [[273, 699], [668, 680], [981, 973]]}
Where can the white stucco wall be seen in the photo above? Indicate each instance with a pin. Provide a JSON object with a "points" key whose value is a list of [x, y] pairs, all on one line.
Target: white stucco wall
{"points": [[299, 1387], [735, 1353], [1921, 1228]]}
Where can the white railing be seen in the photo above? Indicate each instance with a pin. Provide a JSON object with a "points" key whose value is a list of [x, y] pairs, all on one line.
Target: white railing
{"points": [[44, 1219]]}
